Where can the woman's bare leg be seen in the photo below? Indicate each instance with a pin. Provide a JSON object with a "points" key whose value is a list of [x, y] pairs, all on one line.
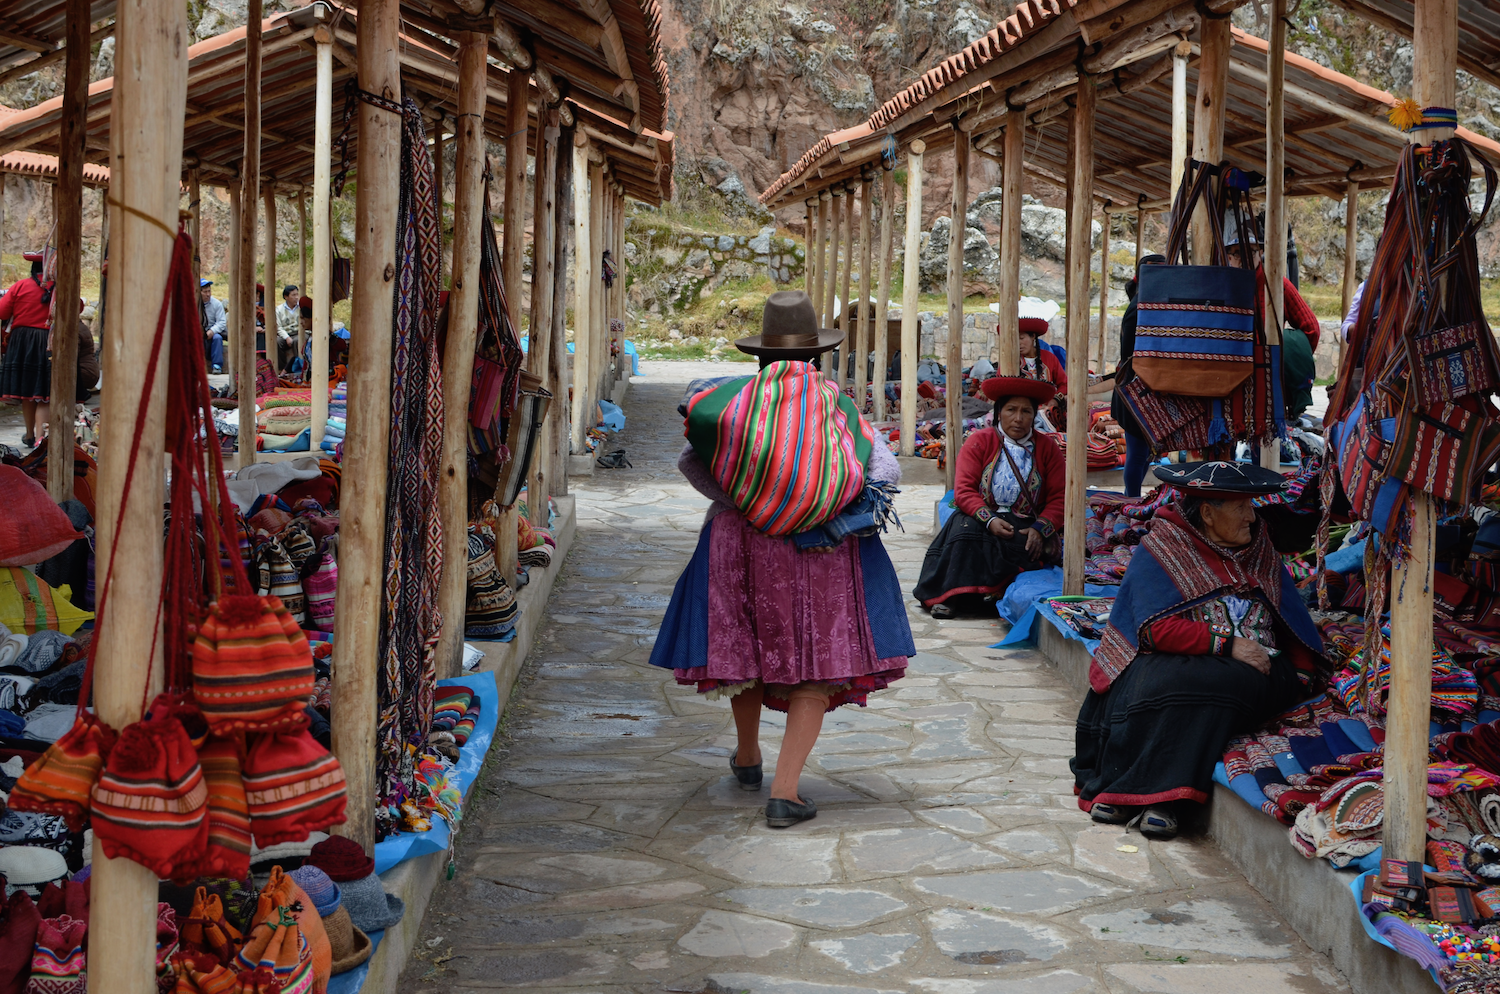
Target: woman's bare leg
{"points": [[746, 708], [804, 720], [28, 414]]}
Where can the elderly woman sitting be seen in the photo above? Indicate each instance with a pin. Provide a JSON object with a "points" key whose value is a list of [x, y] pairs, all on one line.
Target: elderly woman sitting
{"points": [[1207, 639], [1009, 494]]}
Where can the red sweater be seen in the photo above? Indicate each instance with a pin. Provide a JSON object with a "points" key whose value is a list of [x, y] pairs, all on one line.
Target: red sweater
{"points": [[971, 492], [1186, 637], [22, 305], [1295, 311]]}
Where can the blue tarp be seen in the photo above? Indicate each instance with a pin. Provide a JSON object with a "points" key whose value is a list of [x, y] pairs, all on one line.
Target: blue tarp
{"points": [[630, 350], [1023, 606], [1357, 888]]}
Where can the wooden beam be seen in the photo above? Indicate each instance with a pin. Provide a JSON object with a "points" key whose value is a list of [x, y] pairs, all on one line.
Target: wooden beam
{"points": [[954, 435], [585, 29], [1376, 123], [883, 286], [825, 200], [846, 279], [860, 350], [512, 261], [583, 276], [273, 287], [242, 333], [1103, 285], [835, 231], [458, 352], [911, 327], [809, 267], [543, 276], [1080, 239], [145, 166], [1143, 41], [68, 211], [19, 39], [322, 233], [1208, 121], [1274, 265], [1011, 165], [50, 57], [361, 590]]}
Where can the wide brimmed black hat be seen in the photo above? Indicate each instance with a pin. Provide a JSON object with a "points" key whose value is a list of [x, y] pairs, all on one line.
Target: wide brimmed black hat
{"points": [[789, 329], [1221, 479]]}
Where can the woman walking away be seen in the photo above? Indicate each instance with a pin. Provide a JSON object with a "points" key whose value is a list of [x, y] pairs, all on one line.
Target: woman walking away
{"points": [[26, 368], [790, 600]]}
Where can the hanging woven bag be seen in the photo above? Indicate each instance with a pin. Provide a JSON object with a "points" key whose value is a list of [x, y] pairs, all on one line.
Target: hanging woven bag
{"points": [[293, 786], [252, 666], [227, 853]]}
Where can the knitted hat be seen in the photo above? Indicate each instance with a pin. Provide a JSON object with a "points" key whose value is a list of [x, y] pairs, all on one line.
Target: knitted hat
{"points": [[342, 859], [369, 906], [291, 854], [323, 892], [31, 866], [351, 946]]}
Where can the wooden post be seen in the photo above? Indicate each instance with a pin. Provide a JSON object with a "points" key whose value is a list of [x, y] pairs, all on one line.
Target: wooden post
{"points": [[1140, 231], [883, 286], [557, 359], [599, 319], [543, 276], [827, 258], [104, 259], [837, 267], [195, 223], [1008, 328], [273, 285], [911, 279], [622, 362], [301, 252], [1351, 260], [1103, 282], [69, 253], [512, 264], [3, 177], [1180, 56], [1275, 247], [582, 293], [1080, 240], [145, 158], [1435, 52], [231, 289], [954, 436], [1208, 119], [809, 266], [361, 590], [322, 316], [861, 348], [851, 334], [242, 332], [458, 352]]}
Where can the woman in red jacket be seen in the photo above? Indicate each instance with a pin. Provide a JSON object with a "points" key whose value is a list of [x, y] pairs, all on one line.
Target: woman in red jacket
{"points": [[26, 368], [1009, 497]]}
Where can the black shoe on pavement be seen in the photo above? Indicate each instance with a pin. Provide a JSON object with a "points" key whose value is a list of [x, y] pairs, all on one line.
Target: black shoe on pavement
{"points": [[781, 813], [750, 777]]}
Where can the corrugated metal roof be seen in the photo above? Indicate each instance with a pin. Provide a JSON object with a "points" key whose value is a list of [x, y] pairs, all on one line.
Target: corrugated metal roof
{"points": [[1478, 30], [42, 23]]}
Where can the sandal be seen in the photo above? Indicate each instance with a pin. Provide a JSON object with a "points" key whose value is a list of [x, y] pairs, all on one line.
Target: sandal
{"points": [[1158, 823], [1112, 814]]}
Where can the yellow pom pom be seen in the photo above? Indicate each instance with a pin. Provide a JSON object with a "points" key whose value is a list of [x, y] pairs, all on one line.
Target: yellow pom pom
{"points": [[1406, 115]]}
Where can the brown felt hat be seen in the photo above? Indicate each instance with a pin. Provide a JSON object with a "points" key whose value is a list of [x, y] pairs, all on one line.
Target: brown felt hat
{"points": [[789, 329], [351, 947]]}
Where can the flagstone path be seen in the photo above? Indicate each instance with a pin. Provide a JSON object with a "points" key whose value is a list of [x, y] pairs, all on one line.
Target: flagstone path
{"points": [[607, 849]]}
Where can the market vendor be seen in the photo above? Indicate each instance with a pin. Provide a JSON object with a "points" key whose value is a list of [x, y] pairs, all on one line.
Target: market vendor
{"points": [[1008, 493], [1207, 638], [787, 602], [26, 366]]}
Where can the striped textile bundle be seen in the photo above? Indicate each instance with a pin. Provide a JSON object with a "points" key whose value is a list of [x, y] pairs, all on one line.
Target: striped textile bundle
{"points": [[228, 850], [57, 960], [465, 726], [62, 781], [293, 786], [151, 804], [252, 668], [320, 588], [449, 707], [491, 608], [787, 447], [278, 577]]}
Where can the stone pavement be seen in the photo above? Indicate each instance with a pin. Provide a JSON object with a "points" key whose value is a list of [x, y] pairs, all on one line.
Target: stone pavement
{"points": [[607, 848]]}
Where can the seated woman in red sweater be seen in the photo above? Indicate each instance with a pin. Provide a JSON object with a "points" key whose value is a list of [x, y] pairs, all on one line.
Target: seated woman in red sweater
{"points": [[1009, 496], [1207, 639]]}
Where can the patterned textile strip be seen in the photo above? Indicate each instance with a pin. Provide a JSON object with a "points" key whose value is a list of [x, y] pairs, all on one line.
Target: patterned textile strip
{"points": [[497, 332], [414, 541]]}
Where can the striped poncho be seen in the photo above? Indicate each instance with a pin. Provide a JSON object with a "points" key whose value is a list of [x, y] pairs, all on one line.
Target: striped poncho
{"points": [[787, 447]]}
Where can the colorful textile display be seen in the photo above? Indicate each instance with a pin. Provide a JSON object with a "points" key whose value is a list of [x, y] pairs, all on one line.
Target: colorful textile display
{"points": [[414, 542]]}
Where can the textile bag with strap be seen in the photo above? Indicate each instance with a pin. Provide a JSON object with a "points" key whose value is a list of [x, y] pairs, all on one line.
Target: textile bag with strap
{"points": [[1195, 330], [340, 275], [1443, 449], [523, 429]]}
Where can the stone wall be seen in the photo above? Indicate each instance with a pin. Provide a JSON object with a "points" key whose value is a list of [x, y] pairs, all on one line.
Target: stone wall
{"points": [[669, 267], [980, 337]]}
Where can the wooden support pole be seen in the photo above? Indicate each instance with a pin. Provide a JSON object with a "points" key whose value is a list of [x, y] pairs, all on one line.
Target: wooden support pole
{"points": [[1351, 259], [1140, 234], [361, 590], [195, 223], [69, 253], [1180, 56], [1208, 121], [1103, 286], [846, 276], [273, 285], [1275, 234], [835, 233], [825, 265], [883, 286], [1080, 240], [301, 254], [809, 264], [622, 362], [242, 331], [1409, 707], [145, 158], [911, 280], [1008, 328], [543, 276], [954, 436], [231, 289], [861, 347], [599, 320], [512, 265], [582, 294], [458, 352], [557, 359], [322, 234], [4, 176], [104, 260]]}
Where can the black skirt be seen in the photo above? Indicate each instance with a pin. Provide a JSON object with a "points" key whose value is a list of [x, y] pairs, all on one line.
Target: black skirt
{"points": [[26, 369], [967, 558], [1156, 734]]}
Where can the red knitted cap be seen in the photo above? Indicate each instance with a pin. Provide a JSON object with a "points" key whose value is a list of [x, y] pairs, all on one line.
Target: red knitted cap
{"points": [[342, 859]]}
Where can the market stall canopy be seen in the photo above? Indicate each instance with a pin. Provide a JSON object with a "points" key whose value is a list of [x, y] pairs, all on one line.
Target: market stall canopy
{"points": [[214, 127], [45, 167], [1336, 127], [32, 33], [1478, 30]]}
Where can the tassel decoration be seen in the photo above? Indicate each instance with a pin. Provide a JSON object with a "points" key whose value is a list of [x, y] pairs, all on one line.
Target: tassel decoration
{"points": [[1406, 115]]}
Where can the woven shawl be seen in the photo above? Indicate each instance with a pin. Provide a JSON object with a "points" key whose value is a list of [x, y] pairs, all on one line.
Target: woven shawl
{"points": [[1175, 569], [787, 447], [410, 621]]}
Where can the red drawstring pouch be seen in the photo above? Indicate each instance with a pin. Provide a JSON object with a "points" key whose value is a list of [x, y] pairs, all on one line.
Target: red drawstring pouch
{"points": [[252, 666], [62, 780], [228, 852], [294, 786], [151, 804], [57, 960]]}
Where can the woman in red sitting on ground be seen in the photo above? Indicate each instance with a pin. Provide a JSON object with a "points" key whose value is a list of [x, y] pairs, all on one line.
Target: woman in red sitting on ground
{"points": [[1008, 491]]}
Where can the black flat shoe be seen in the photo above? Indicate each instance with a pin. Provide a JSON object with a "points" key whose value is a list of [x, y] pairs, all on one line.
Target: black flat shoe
{"points": [[750, 777], [941, 611], [780, 813]]}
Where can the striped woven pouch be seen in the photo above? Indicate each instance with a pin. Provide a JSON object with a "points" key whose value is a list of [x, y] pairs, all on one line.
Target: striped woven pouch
{"points": [[151, 804], [61, 782], [252, 667], [293, 786]]}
